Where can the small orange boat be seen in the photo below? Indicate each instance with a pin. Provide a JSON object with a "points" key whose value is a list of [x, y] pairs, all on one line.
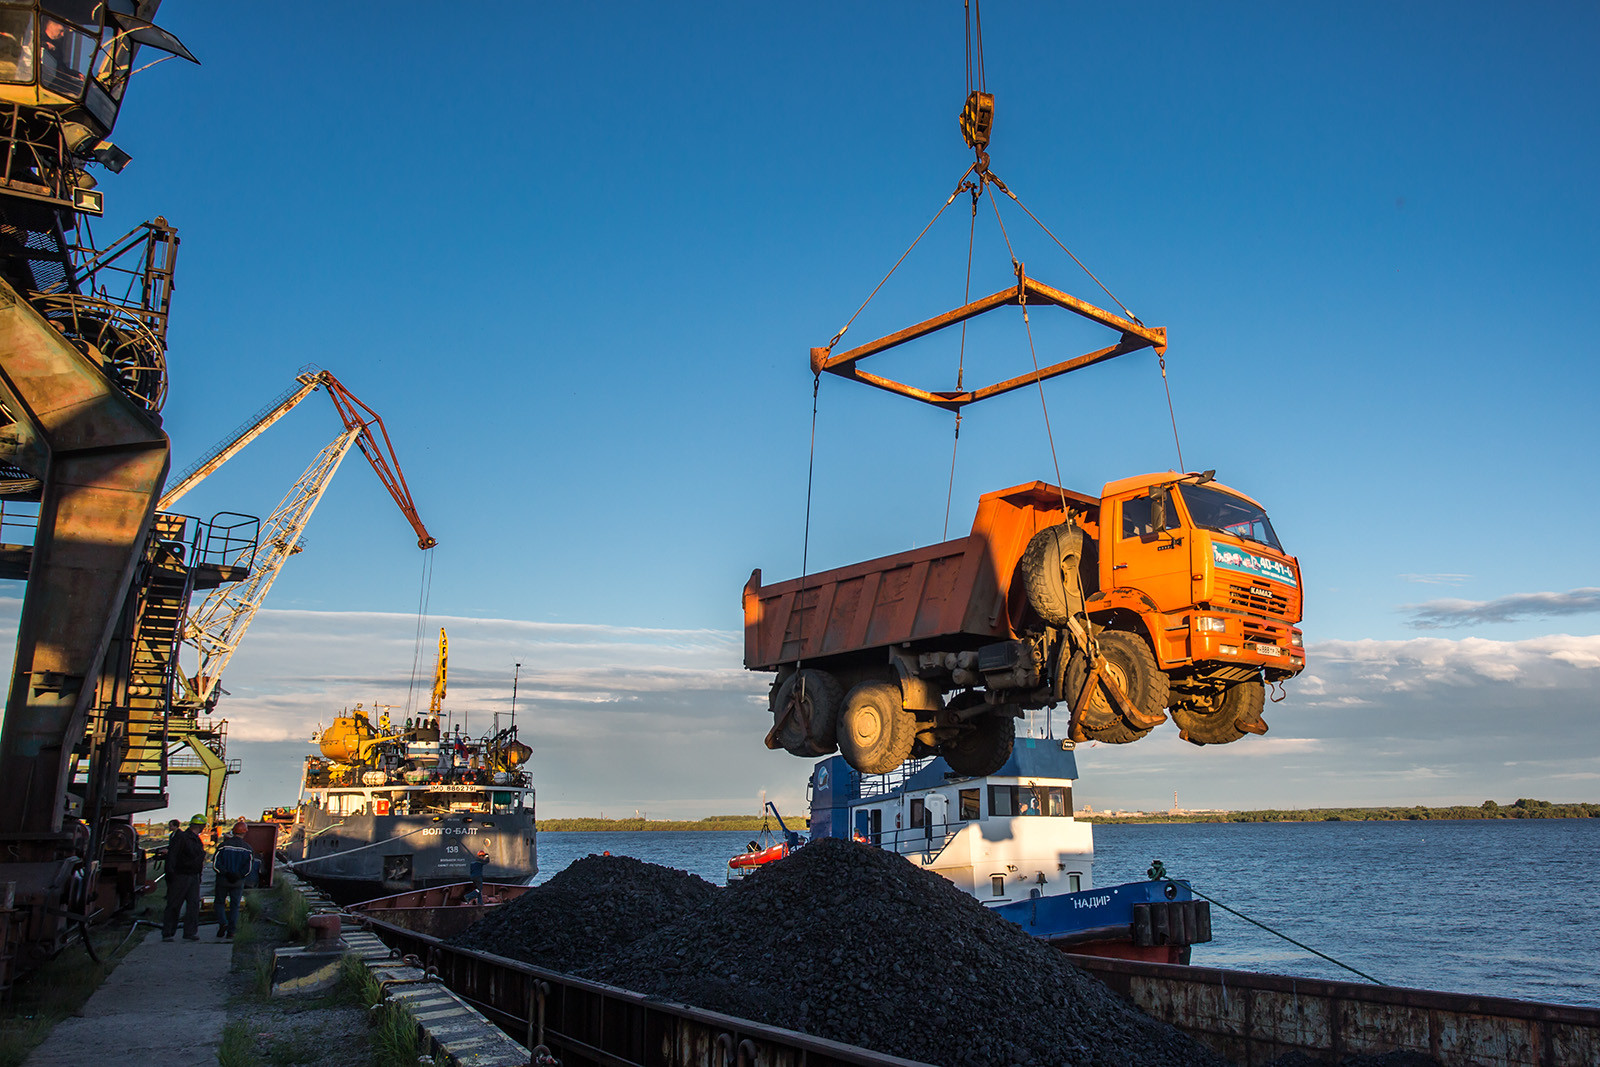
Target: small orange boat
{"points": [[760, 853]]}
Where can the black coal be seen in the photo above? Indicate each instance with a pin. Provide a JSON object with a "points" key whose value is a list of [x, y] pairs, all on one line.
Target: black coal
{"points": [[842, 941]]}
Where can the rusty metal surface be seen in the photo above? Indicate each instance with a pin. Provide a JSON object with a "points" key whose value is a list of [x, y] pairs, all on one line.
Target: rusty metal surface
{"points": [[956, 587], [1255, 1018], [586, 1023], [106, 462]]}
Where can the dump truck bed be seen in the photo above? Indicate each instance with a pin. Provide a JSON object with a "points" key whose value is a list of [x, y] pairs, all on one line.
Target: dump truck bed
{"points": [[955, 587]]}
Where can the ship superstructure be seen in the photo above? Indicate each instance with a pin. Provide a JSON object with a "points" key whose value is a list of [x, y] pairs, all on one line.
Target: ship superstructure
{"points": [[1010, 840], [386, 807]]}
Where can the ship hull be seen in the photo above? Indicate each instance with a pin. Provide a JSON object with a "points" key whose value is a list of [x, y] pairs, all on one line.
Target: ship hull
{"points": [[357, 857]]}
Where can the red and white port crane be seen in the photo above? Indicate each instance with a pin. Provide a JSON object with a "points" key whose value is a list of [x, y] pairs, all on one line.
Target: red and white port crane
{"points": [[216, 628]]}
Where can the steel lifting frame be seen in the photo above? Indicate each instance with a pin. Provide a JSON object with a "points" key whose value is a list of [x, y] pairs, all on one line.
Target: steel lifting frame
{"points": [[1135, 336]]}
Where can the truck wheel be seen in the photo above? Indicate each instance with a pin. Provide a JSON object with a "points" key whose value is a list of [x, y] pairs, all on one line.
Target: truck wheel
{"points": [[1052, 553], [809, 726], [1222, 718], [984, 748], [1132, 665], [876, 732]]}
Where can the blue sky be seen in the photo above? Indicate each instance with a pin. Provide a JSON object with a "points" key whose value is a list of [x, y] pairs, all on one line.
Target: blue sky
{"points": [[576, 254]]}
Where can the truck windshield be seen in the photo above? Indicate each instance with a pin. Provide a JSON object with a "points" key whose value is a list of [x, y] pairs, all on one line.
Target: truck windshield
{"points": [[1212, 509]]}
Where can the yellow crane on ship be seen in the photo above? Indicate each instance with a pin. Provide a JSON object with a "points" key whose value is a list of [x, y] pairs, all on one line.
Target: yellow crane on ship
{"points": [[440, 671]]}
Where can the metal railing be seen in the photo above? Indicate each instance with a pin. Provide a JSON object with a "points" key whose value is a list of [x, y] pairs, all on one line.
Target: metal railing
{"points": [[587, 1023]]}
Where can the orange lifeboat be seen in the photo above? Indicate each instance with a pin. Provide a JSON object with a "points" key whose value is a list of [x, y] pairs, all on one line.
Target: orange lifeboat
{"points": [[746, 862]]}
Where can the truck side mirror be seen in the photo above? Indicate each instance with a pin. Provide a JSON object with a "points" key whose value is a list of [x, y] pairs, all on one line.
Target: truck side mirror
{"points": [[1158, 508]]}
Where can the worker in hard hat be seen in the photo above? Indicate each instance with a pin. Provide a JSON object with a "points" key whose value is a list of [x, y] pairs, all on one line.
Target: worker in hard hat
{"points": [[186, 859]]}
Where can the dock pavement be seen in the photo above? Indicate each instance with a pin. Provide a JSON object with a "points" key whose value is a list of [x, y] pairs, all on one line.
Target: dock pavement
{"points": [[165, 1003]]}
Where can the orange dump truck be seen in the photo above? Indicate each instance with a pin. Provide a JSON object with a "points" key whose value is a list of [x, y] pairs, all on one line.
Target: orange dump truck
{"points": [[1167, 593]]}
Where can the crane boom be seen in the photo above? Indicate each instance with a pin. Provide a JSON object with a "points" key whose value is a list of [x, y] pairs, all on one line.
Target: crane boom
{"points": [[306, 384], [219, 624], [357, 415]]}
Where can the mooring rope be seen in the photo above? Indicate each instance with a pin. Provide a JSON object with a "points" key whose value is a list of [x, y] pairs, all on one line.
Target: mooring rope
{"points": [[1286, 937]]}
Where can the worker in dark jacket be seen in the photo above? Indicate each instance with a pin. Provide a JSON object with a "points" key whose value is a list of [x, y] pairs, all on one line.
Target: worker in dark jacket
{"points": [[232, 863], [186, 859]]}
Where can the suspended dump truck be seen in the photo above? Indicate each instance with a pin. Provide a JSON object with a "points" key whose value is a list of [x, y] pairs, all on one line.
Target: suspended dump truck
{"points": [[1167, 593]]}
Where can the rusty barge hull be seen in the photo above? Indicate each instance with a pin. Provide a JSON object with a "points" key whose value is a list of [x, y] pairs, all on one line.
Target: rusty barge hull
{"points": [[1253, 1019]]}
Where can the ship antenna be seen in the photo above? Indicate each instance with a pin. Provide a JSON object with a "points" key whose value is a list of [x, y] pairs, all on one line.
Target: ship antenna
{"points": [[514, 675]]}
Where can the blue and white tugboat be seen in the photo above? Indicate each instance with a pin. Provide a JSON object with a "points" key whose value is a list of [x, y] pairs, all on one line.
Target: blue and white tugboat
{"points": [[1010, 840]]}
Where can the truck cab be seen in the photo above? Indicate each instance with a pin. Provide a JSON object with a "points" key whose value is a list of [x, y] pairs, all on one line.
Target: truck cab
{"points": [[1200, 567]]}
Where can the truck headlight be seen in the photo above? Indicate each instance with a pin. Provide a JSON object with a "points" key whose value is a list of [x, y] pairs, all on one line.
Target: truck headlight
{"points": [[1296, 641], [1210, 623], [1228, 650]]}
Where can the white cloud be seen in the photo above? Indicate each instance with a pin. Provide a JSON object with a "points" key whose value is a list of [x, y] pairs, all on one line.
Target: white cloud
{"points": [[668, 721]]}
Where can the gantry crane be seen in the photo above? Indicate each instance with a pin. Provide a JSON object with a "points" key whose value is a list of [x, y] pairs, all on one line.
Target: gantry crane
{"points": [[83, 457], [216, 628]]}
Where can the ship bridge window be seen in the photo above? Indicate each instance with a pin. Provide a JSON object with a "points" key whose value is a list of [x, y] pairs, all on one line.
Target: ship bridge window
{"points": [[969, 805], [1007, 800]]}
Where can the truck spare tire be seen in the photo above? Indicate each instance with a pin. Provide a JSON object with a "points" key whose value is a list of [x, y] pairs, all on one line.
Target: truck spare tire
{"points": [[805, 718], [1052, 555], [1225, 717], [876, 732], [1133, 666], [984, 748]]}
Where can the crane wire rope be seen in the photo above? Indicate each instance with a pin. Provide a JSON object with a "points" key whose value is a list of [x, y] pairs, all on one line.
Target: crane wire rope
{"points": [[424, 595], [960, 185], [961, 358], [1160, 357], [1022, 298], [805, 542], [974, 20]]}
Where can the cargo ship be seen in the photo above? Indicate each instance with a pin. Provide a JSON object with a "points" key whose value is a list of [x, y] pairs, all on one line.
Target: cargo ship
{"points": [[386, 809], [1009, 839]]}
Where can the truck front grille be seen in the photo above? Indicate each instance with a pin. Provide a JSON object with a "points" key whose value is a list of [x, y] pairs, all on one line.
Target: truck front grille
{"points": [[1258, 599]]}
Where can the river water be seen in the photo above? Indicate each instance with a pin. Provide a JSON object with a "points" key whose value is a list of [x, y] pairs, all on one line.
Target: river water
{"points": [[1496, 907]]}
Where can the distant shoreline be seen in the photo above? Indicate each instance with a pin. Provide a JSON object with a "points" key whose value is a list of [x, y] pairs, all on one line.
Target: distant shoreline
{"points": [[1522, 809], [742, 823]]}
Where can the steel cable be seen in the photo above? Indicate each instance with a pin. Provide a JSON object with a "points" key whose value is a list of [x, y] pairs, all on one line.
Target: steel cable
{"points": [[1028, 326], [961, 363], [960, 185], [1286, 937]]}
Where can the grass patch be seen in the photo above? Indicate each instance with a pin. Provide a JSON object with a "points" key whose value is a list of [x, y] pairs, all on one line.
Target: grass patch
{"points": [[238, 1048], [59, 988], [295, 913], [395, 1041]]}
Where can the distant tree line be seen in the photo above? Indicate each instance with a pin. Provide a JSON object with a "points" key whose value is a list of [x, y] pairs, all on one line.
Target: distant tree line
{"points": [[1489, 809], [742, 823]]}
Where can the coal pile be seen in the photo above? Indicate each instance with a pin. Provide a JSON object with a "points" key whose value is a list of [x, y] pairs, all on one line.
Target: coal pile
{"points": [[589, 911], [854, 944]]}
